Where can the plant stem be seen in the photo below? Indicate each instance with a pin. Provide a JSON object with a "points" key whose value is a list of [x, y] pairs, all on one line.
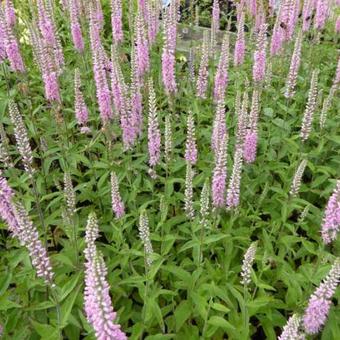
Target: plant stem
{"points": [[246, 326], [57, 306], [38, 206], [201, 244], [75, 240]]}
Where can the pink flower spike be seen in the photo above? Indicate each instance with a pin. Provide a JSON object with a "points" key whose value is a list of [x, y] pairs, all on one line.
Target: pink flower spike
{"points": [[117, 203], [116, 20], [190, 147], [240, 46], [154, 135], [331, 221]]}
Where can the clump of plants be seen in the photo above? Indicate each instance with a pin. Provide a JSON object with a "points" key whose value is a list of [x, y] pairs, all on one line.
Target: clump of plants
{"points": [[148, 194]]}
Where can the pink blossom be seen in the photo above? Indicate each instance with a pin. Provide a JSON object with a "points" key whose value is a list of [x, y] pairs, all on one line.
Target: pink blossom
{"points": [[221, 77], [319, 304], [10, 13], [190, 147], [259, 66], [142, 46], [75, 27], [331, 221], [154, 135], [240, 46], [117, 203], [116, 20], [97, 301], [219, 178], [249, 147], [168, 53], [80, 107]]}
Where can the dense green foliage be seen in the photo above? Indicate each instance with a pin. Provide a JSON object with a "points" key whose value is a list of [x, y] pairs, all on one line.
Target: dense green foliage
{"points": [[181, 296]]}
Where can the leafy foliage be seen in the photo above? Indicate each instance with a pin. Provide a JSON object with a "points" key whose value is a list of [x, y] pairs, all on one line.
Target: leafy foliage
{"points": [[182, 295]]}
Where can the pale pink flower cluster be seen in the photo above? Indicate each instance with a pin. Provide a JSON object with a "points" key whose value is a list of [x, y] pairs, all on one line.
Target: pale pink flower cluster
{"points": [[9, 46], [117, 203], [331, 221], [154, 135], [97, 301], [320, 302], [169, 47], [22, 228], [190, 146]]}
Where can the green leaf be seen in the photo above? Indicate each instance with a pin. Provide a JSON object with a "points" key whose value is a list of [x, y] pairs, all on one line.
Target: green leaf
{"points": [[6, 304], [182, 314], [5, 280], [66, 307], [47, 332], [220, 308], [69, 286], [221, 323]]}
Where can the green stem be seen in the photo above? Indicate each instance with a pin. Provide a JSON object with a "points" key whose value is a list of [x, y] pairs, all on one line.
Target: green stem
{"points": [[206, 321], [245, 310], [38, 206], [6, 79], [201, 244], [58, 309], [75, 240]]}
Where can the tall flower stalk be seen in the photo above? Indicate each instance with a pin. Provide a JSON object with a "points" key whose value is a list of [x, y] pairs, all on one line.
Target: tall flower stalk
{"points": [[204, 213], [215, 24], [251, 136], [331, 221], [45, 58], [21, 137], [10, 45], [70, 198], [320, 302], [296, 183], [77, 36], [117, 21], [203, 72], [154, 135], [312, 102], [190, 146], [117, 203], [307, 11], [10, 13], [80, 107], [142, 45], [219, 126], [135, 99], [233, 192], [221, 77], [21, 227], [248, 260], [321, 13], [242, 119], [240, 45], [97, 301], [169, 47], [292, 330], [121, 103], [189, 192], [144, 234], [49, 34], [168, 139], [219, 177], [98, 62], [277, 38], [259, 66], [294, 67], [326, 106], [153, 12]]}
